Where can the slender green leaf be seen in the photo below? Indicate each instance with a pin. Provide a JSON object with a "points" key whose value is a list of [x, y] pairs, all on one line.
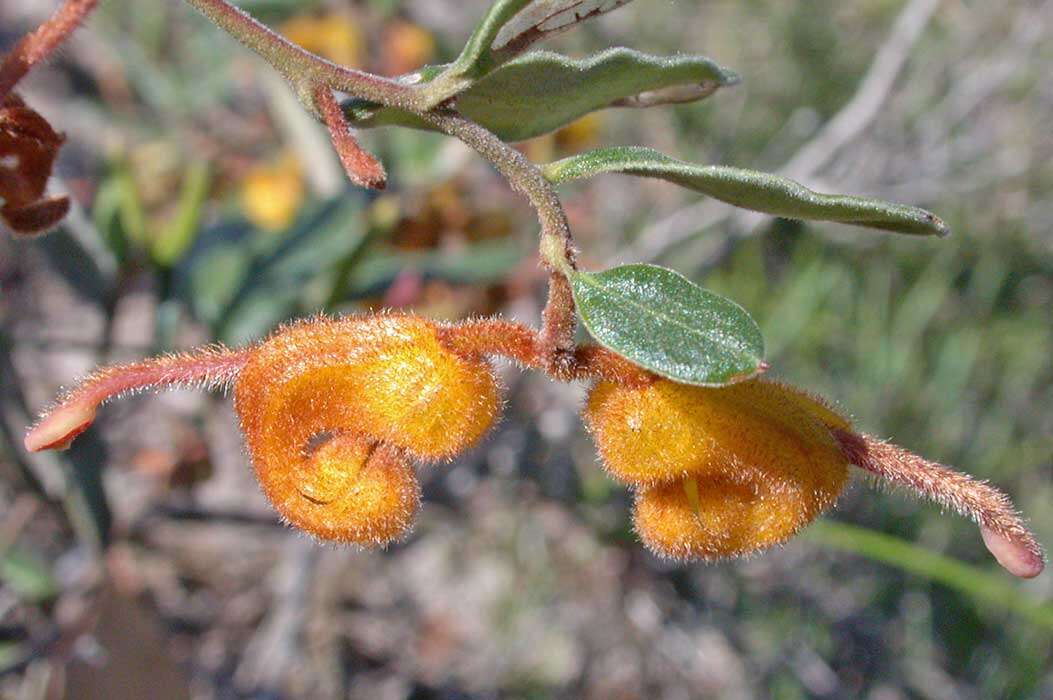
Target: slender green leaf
{"points": [[507, 29], [984, 587], [177, 235], [543, 91], [763, 192], [475, 58], [665, 323]]}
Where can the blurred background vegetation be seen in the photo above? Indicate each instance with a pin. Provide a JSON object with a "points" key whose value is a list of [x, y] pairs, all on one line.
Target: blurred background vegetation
{"points": [[145, 563]]}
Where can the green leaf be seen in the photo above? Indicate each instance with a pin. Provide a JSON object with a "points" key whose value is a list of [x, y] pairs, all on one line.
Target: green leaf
{"points": [[476, 53], [763, 192], [507, 29], [178, 234], [663, 322], [475, 58], [543, 91]]}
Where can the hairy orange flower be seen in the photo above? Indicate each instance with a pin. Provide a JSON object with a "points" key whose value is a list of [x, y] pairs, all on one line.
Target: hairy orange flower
{"points": [[728, 471], [344, 489], [330, 410], [721, 516], [333, 409]]}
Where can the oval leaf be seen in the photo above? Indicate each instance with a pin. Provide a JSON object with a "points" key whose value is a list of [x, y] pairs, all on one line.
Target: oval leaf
{"points": [[543, 91], [663, 322], [749, 189]]}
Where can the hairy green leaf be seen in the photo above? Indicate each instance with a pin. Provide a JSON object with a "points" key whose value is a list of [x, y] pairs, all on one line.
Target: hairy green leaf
{"points": [[475, 57], [763, 192], [663, 322], [543, 91]]}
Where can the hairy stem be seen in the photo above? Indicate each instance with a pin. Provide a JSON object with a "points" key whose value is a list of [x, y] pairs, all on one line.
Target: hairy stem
{"points": [[557, 243], [522, 175], [38, 45], [558, 324], [361, 167], [527, 347]]}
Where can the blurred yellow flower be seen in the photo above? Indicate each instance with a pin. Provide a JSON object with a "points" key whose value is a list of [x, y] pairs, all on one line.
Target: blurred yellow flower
{"points": [[332, 35], [271, 194], [580, 134]]}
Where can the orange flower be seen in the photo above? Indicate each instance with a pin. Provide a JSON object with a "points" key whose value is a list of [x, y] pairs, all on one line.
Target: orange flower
{"points": [[656, 433], [723, 472], [385, 377], [329, 407]]}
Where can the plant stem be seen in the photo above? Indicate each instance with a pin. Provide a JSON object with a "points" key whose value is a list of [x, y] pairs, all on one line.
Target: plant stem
{"points": [[41, 43], [314, 77], [557, 243], [522, 175], [305, 70], [524, 345]]}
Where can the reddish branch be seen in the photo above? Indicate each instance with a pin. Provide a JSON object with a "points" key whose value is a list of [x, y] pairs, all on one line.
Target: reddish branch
{"points": [[38, 45], [363, 169], [528, 348]]}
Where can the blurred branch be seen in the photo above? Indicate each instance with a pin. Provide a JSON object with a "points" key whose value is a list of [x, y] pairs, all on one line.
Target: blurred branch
{"points": [[41, 43], [873, 91], [854, 118], [277, 644]]}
